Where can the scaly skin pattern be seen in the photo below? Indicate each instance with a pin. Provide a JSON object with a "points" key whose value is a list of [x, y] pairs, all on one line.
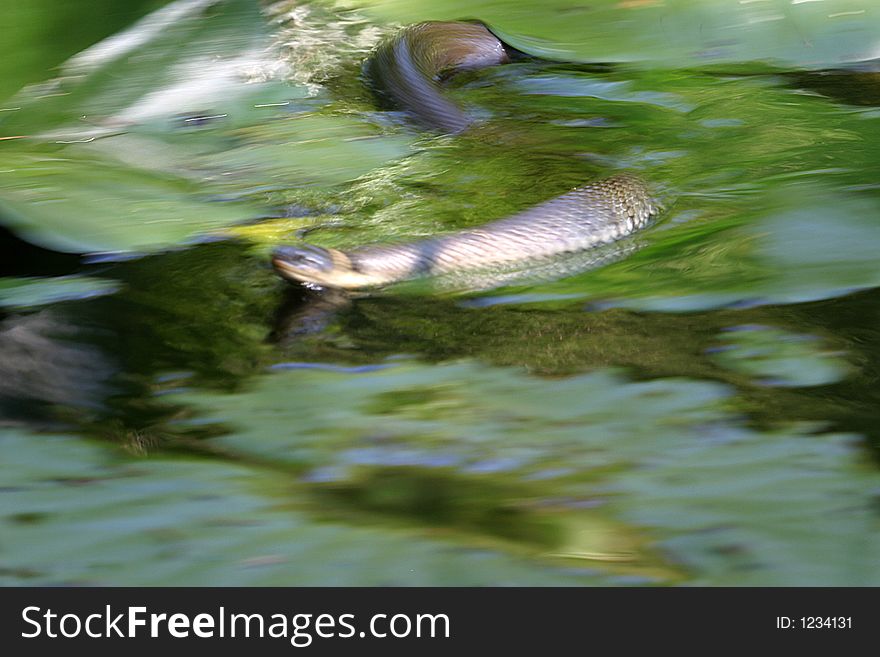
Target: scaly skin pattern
{"points": [[406, 71], [587, 217]]}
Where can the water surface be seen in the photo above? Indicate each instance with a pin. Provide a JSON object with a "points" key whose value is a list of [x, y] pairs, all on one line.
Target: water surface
{"points": [[702, 411]]}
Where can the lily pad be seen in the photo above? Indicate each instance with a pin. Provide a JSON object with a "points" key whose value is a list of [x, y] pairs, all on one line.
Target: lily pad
{"points": [[741, 509], [171, 129], [456, 415], [191, 56], [665, 32], [73, 512], [779, 358], [675, 448], [29, 292], [77, 203], [805, 244]]}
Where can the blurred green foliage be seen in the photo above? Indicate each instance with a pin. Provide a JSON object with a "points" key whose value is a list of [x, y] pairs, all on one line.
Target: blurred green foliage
{"points": [[700, 412], [37, 35], [667, 33]]}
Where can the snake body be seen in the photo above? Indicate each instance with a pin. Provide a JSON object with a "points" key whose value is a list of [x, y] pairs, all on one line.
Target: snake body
{"points": [[407, 71]]}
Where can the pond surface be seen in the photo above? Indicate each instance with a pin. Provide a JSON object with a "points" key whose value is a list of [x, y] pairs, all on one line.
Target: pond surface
{"points": [[704, 410]]}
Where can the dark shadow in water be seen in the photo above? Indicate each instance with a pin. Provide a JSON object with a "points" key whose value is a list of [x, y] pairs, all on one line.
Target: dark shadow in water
{"points": [[195, 317], [20, 258], [852, 87], [438, 499], [44, 366], [306, 312]]}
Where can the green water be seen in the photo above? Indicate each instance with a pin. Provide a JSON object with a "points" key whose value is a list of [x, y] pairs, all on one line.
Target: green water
{"points": [[701, 411]]}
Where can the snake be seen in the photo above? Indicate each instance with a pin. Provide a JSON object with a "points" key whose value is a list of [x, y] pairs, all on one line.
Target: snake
{"points": [[407, 72]]}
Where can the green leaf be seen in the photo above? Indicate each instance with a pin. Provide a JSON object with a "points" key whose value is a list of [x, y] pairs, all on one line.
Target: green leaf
{"points": [[174, 128], [72, 512], [78, 203], [776, 357], [30, 292], [761, 510], [665, 32], [663, 454]]}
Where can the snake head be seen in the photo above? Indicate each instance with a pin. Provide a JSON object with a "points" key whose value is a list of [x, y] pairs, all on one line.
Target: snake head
{"points": [[305, 263], [314, 265], [306, 257]]}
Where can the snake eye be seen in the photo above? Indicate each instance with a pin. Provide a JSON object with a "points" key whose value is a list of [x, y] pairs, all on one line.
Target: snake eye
{"points": [[304, 257]]}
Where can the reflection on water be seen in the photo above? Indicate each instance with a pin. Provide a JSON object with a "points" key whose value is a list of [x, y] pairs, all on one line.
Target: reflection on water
{"points": [[543, 466], [703, 411], [44, 364]]}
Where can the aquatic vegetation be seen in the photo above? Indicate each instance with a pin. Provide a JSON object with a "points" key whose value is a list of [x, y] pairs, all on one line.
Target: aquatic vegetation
{"points": [[702, 411]]}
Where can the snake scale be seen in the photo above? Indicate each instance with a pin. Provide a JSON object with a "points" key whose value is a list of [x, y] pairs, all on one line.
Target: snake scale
{"points": [[407, 71]]}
